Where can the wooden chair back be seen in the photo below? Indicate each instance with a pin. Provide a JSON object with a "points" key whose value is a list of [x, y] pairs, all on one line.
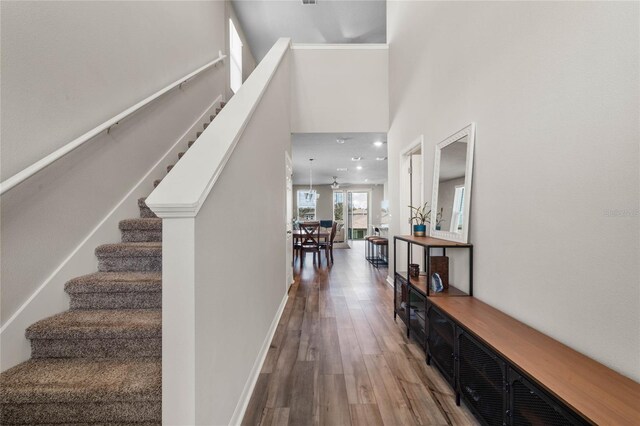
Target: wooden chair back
{"points": [[311, 233], [334, 229]]}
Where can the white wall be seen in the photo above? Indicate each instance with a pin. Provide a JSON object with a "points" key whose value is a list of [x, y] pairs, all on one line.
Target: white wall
{"points": [[339, 88], [553, 88], [67, 67]]}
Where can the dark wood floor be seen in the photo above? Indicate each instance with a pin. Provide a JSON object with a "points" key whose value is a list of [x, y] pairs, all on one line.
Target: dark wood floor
{"points": [[338, 357]]}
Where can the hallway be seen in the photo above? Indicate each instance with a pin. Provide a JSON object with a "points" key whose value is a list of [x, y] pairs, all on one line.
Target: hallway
{"points": [[338, 357]]}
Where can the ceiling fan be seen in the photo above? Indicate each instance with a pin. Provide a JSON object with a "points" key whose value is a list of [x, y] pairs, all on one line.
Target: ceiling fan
{"points": [[343, 139], [335, 184]]}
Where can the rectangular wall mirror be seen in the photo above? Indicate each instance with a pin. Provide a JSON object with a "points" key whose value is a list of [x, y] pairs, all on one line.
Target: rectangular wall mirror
{"points": [[451, 196]]}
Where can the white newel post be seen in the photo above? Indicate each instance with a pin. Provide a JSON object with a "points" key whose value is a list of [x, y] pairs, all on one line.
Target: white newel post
{"points": [[178, 319]]}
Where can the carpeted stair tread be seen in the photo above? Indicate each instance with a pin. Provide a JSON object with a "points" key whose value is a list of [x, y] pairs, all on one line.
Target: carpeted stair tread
{"points": [[132, 256], [100, 362], [115, 282], [148, 224], [99, 324], [130, 250], [79, 380]]}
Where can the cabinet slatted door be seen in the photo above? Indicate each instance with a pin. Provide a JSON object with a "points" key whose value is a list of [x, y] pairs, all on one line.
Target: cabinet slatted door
{"points": [[441, 343], [530, 406], [417, 317], [481, 377], [401, 298]]}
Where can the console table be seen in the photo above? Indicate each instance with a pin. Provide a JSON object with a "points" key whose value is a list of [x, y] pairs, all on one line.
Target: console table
{"points": [[507, 372]]}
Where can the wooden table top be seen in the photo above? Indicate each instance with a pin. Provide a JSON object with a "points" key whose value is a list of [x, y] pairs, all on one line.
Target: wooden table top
{"points": [[598, 393], [431, 242]]}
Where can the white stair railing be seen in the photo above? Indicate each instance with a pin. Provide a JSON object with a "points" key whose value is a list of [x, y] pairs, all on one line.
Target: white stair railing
{"points": [[39, 165], [221, 205]]}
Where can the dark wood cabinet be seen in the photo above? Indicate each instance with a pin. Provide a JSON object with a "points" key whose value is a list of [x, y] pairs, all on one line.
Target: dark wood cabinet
{"points": [[418, 316], [400, 298], [529, 405], [481, 380], [441, 343]]}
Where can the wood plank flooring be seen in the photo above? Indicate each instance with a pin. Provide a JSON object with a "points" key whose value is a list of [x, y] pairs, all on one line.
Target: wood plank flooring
{"points": [[339, 358]]}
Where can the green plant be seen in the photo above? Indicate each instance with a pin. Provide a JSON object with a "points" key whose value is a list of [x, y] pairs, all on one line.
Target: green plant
{"points": [[420, 214]]}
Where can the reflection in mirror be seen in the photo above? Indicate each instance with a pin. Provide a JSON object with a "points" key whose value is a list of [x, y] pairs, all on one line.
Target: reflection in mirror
{"points": [[452, 186], [453, 160]]}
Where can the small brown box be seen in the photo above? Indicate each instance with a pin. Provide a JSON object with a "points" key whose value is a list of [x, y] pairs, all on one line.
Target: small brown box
{"points": [[440, 264]]}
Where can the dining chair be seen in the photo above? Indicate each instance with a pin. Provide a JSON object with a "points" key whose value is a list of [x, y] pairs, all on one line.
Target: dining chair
{"points": [[328, 244], [310, 241]]}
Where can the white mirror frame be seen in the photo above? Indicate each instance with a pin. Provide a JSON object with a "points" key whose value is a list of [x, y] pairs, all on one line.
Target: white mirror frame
{"points": [[470, 132]]}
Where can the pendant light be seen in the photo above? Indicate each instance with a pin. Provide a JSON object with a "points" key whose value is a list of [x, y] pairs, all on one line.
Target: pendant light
{"points": [[312, 193]]}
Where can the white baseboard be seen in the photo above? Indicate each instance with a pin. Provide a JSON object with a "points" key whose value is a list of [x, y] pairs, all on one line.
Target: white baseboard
{"points": [[243, 403], [390, 281], [49, 298]]}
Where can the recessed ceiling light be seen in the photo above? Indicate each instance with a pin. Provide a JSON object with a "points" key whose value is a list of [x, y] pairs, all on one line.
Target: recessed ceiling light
{"points": [[378, 143], [340, 140], [366, 180], [357, 158], [359, 167], [342, 169], [381, 158]]}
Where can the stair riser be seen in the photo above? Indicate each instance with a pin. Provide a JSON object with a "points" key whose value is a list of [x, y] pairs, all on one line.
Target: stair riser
{"points": [[123, 264], [130, 300], [146, 212], [141, 236], [93, 412], [96, 348]]}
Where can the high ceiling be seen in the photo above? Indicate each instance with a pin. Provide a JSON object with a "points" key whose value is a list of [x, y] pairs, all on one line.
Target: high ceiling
{"points": [[329, 155], [327, 21]]}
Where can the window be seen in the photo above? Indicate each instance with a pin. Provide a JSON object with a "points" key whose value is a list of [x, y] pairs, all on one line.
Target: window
{"points": [[307, 205], [338, 206], [235, 49]]}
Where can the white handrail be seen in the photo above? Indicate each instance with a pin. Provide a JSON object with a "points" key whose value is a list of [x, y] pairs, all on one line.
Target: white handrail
{"points": [[183, 191], [66, 149]]}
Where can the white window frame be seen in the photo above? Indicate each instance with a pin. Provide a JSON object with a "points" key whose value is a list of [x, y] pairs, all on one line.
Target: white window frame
{"points": [[298, 207]]}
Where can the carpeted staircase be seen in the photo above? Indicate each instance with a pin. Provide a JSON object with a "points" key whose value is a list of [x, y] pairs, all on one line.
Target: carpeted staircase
{"points": [[99, 362]]}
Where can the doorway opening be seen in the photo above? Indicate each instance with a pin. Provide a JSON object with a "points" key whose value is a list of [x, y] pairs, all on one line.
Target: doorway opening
{"points": [[341, 178], [412, 160], [358, 215]]}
